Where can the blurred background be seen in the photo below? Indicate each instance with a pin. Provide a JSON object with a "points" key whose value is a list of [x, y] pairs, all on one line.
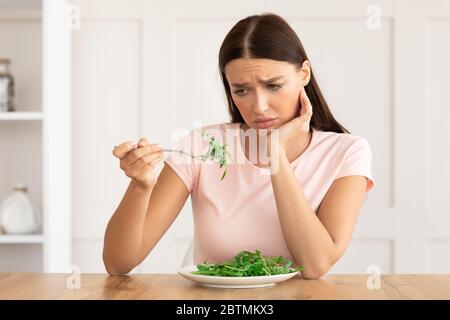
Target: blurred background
{"points": [[78, 77]]}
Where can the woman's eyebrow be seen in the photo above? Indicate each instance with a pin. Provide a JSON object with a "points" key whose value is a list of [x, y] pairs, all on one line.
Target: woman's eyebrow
{"points": [[261, 81]]}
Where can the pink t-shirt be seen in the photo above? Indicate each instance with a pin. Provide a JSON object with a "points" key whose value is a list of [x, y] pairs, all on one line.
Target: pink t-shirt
{"points": [[239, 212]]}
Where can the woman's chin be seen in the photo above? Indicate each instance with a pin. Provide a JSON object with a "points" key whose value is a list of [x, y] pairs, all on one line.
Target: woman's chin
{"points": [[268, 128]]}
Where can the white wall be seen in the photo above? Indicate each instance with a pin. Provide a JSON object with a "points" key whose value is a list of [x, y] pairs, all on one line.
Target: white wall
{"points": [[145, 68]]}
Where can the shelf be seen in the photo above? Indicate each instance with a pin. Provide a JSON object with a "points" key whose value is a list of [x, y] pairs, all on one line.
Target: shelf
{"points": [[16, 239], [35, 36], [19, 115]]}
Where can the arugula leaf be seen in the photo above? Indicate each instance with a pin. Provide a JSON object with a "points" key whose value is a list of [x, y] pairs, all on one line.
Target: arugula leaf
{"points": [[248, 264], [216, 152]]}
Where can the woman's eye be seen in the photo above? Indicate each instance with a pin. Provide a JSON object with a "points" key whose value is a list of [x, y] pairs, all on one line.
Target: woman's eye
{"points": [[274, 87], [239, 92]]}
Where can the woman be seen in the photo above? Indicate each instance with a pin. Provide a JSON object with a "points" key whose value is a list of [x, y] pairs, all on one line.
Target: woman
{"points": [[305, 210]]}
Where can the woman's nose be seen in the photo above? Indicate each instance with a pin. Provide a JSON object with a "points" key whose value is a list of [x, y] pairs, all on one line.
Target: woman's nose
{"points": [[261, 103]]}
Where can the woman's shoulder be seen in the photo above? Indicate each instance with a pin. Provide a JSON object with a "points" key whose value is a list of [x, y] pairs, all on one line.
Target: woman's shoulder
{"points": [[199, 136], [339, 141], [217, 130]]}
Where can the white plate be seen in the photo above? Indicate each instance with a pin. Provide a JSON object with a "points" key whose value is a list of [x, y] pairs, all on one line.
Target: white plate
{"points": [[234, 282]]}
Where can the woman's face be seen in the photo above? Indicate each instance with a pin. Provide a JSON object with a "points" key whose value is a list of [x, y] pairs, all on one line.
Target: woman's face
{"points": [[266, 89]]}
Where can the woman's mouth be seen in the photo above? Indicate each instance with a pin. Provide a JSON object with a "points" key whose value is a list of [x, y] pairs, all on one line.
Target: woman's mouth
{"points": [[265, 123]]}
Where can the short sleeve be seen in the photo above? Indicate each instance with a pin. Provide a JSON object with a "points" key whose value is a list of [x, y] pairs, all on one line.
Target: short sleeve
{"points": [[185, 166], [358, 162]]}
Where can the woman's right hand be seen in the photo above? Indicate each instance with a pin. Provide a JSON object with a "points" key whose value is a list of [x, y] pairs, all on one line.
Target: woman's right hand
{"points": [[139, 161]]}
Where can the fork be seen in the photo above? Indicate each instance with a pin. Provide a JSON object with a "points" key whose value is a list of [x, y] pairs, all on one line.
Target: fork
{"points": [[182, 152], [172, 150]]}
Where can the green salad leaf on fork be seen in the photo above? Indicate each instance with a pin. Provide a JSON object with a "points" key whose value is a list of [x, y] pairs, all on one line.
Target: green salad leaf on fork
{"points": [[216, 152]]}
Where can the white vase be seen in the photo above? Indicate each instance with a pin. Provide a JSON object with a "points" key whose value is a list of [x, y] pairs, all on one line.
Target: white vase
{"points": [[18, 216]]}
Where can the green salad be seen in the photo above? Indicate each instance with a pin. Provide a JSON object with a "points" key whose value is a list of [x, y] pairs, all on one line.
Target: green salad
{"points": [[248, 264]]}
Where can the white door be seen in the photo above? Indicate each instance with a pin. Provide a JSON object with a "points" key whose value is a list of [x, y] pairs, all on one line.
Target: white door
{"points": [[147, 68]]}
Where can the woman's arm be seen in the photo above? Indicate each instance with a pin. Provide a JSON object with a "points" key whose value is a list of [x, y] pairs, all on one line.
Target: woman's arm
{"points": [[141, 219], [316, 241]]}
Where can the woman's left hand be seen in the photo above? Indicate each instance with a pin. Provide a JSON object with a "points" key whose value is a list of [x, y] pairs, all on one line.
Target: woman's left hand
{"points": [[297, 128]]}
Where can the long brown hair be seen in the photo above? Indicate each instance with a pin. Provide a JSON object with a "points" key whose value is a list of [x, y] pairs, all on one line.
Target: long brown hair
{"points": [[268, 36]]}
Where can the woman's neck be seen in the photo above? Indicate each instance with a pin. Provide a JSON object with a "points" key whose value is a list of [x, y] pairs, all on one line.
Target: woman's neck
{"points": [[292, 152]]}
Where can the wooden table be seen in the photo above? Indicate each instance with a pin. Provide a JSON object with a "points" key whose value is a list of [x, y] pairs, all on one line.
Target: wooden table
{"points": [[173, 286]]}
